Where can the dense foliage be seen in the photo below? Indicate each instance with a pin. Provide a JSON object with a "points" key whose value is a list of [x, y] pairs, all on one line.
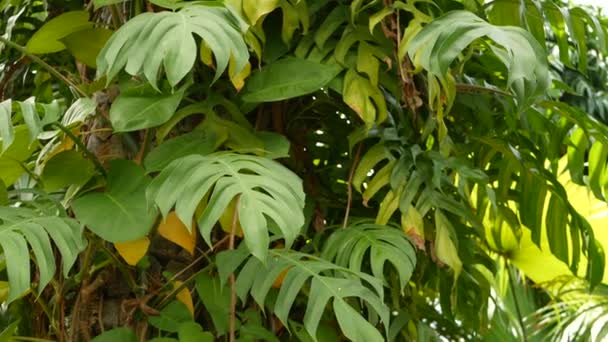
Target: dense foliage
{"points": [[303, 170]]}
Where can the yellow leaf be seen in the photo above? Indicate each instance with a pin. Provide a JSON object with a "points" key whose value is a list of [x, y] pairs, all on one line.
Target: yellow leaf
{"points": [[133, 251], [445, 249], [174, 230], [206, 55], [226, 219], [238, 79], [184, 296]]}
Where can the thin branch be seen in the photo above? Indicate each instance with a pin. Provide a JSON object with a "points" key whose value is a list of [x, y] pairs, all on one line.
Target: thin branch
{"points": [[45, 65], [232, 287], [349, 185], [80, 145]]}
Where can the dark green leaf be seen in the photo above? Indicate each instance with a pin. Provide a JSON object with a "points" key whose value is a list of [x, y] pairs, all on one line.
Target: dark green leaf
{"points": [[131, 218], [192, 332], [55, 177], [85, 45], [171, 317]]}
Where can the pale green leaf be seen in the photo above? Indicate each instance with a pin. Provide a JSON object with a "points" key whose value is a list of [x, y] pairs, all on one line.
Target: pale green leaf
{"points": [[20, 227], [133, 110], [197, 142], [288, 78], [268, 192], [150, 40]]}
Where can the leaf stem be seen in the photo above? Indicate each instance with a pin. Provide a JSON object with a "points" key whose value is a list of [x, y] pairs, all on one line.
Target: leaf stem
{"points": [[232, 286], [80, 145], [349, 185], [44, 64]]}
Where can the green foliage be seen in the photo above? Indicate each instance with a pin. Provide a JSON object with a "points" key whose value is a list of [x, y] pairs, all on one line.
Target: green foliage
{"points": [[22, 226], [347, 248], [217, 26], [377, 168], [120, 213], [267, 193], [342, 284]]}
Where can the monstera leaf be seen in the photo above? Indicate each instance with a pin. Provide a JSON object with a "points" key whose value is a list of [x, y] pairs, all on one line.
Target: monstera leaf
{"points": [[257, 279], [22, 226], [348, 248], [267, 192], [439, 43], [151, 39]]}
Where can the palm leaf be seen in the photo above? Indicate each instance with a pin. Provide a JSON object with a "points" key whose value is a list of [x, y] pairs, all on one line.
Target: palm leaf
{"points": [[151, 39], [22, 226], [268, 194], [348, 248], [257, 279]]}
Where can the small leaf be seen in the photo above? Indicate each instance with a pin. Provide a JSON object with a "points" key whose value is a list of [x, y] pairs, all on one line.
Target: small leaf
{"points": [[288, 78], [116, 335], [54, 175], [133, 111], [47, 38], [133, 251], [365, 99], [171, 317], [85, 45], [238, 78], [124, 198], [184, 296], [216, 300], [7, 134], [193, 332], [174, 230]]}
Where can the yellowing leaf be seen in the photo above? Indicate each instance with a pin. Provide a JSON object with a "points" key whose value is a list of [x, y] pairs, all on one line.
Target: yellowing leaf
{"points": [[413, 225], [226, 220], [184, 296], [133, 251], [238, 79], [445, 249], [174, 230], [206, 55]]}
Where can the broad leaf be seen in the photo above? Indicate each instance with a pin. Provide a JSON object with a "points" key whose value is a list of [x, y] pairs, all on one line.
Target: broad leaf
{"points": [[20, 227], [85, 45], [174, 230], [288, 78], [268, 192], [193, 332], [171, 317], [48, 38], [121, 212], [150, 40], [134, 110], [11, 159], [54, 176], [133, 251], [440, 42], [349, 248], [257, 279]]}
